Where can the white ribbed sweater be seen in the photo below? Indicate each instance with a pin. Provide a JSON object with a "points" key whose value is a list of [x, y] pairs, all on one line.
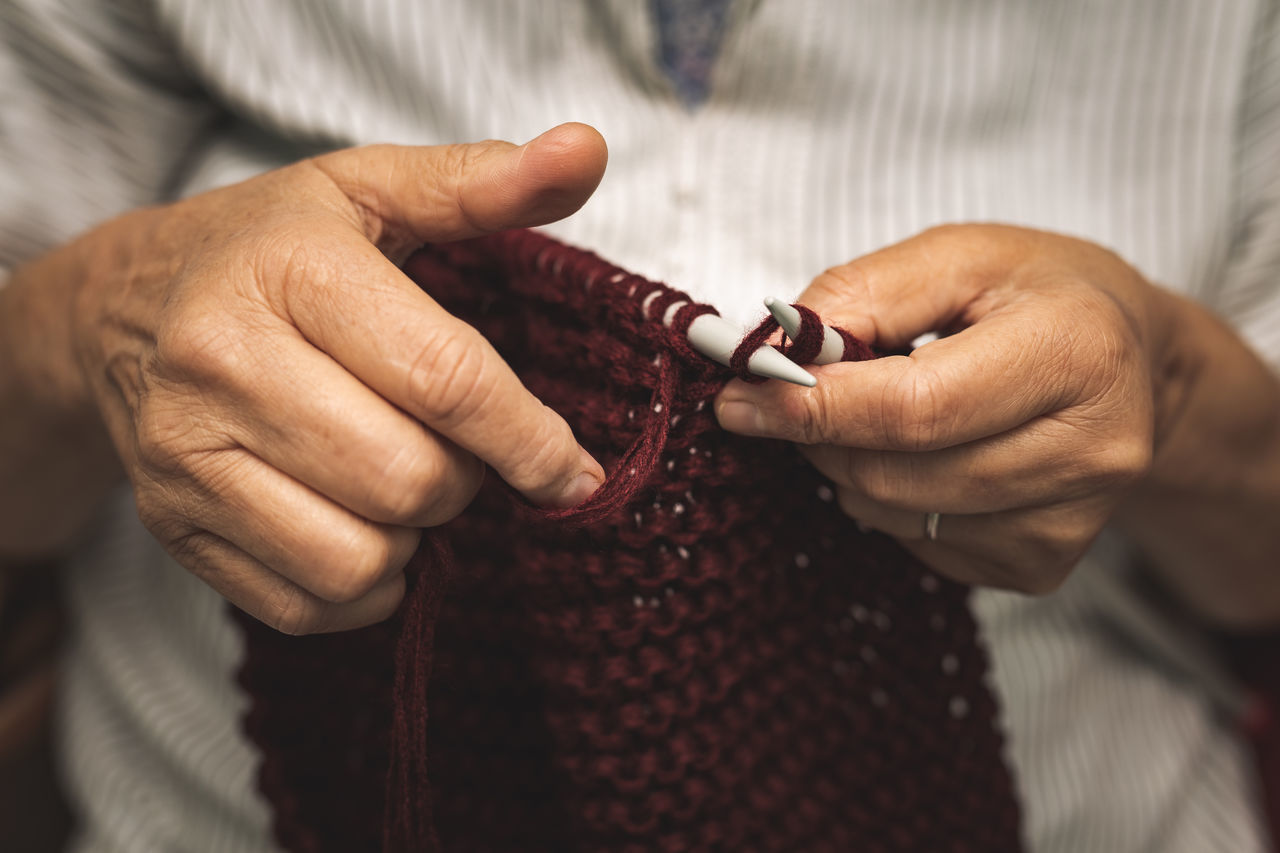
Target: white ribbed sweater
{"points": [[1150, 126]]}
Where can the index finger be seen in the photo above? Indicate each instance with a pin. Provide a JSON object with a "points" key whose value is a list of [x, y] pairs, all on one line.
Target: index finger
{"points": [[982, 381], [356, 306]]}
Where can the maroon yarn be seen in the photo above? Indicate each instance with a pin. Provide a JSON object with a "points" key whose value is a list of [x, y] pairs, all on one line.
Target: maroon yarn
{"points": [[707, 655], [751, 342], [807, 343], [802, 349], [1254, 660]]}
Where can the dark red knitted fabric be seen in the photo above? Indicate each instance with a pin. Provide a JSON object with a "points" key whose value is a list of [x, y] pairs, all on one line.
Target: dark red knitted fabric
{"points": [[1256, 660], [708, 656]]}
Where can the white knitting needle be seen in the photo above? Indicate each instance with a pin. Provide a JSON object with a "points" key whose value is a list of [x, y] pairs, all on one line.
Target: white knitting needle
{"points": [[717, 338], [789, 319]]}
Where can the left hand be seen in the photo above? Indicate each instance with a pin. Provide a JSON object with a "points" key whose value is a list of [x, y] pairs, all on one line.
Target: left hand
{"points": [[1024, 427]]}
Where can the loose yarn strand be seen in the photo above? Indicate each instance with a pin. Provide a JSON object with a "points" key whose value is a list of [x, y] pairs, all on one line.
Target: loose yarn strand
{"points": [[408, 824]]}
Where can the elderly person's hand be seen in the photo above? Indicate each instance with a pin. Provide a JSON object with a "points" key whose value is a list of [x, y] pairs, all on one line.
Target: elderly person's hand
{"points": [[290, 408], [1058, 375]]}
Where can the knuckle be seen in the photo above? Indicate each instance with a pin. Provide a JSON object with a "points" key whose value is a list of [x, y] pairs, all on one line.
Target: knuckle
{"points": [[447, 378], [1097, 364], [1116, 465], [1100, 355], [435, 499], [944, 230], [1075, 534], [1112, 348], [459, 160], [876, 477], [361, 563], [165, 433], [1034, 570], [548, 454], [290, 611], [170, 504], [457, 166], [447, 503], [1037, 553], [405, 485], [1056, 553], [389, 600], [846, 283], [175, 533], [942, 233], [818, 416], [153, 514], [199, 344], [169, 512], [977, 238], [1131, 460], [910, 411], [285, 263]]}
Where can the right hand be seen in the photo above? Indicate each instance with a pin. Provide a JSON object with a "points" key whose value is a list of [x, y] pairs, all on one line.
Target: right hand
{"points": [[290, 408]]}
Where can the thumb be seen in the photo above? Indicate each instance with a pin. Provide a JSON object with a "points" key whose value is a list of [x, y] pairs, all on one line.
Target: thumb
{"points": [[929, 283], [408, 195]]}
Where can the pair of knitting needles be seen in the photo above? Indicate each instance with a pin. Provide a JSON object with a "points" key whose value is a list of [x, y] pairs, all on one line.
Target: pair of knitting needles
{"points": [[717, 338]]}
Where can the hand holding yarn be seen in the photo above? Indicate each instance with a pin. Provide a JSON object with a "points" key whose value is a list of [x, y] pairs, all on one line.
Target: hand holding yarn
{"points": [[290, 408], [1023, 426]]}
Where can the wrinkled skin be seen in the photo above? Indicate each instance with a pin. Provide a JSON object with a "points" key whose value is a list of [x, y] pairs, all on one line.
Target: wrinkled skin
{"points": [[290, 409], [1066, 392]]}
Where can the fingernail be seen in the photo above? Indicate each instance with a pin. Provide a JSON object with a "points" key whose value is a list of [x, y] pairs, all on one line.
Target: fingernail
{"points": [[740, 416], [583, 486]]}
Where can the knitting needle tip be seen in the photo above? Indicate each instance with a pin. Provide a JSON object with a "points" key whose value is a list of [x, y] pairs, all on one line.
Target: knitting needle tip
{"points": [[717, 338], [770, 363], [789, 319]]}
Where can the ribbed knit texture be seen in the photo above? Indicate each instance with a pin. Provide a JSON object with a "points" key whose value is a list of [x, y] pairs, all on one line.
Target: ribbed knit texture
{"points": [[706, 656]]}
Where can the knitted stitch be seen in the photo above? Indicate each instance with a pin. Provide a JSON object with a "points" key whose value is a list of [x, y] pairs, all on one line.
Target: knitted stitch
{"points": [[707, 655]]}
